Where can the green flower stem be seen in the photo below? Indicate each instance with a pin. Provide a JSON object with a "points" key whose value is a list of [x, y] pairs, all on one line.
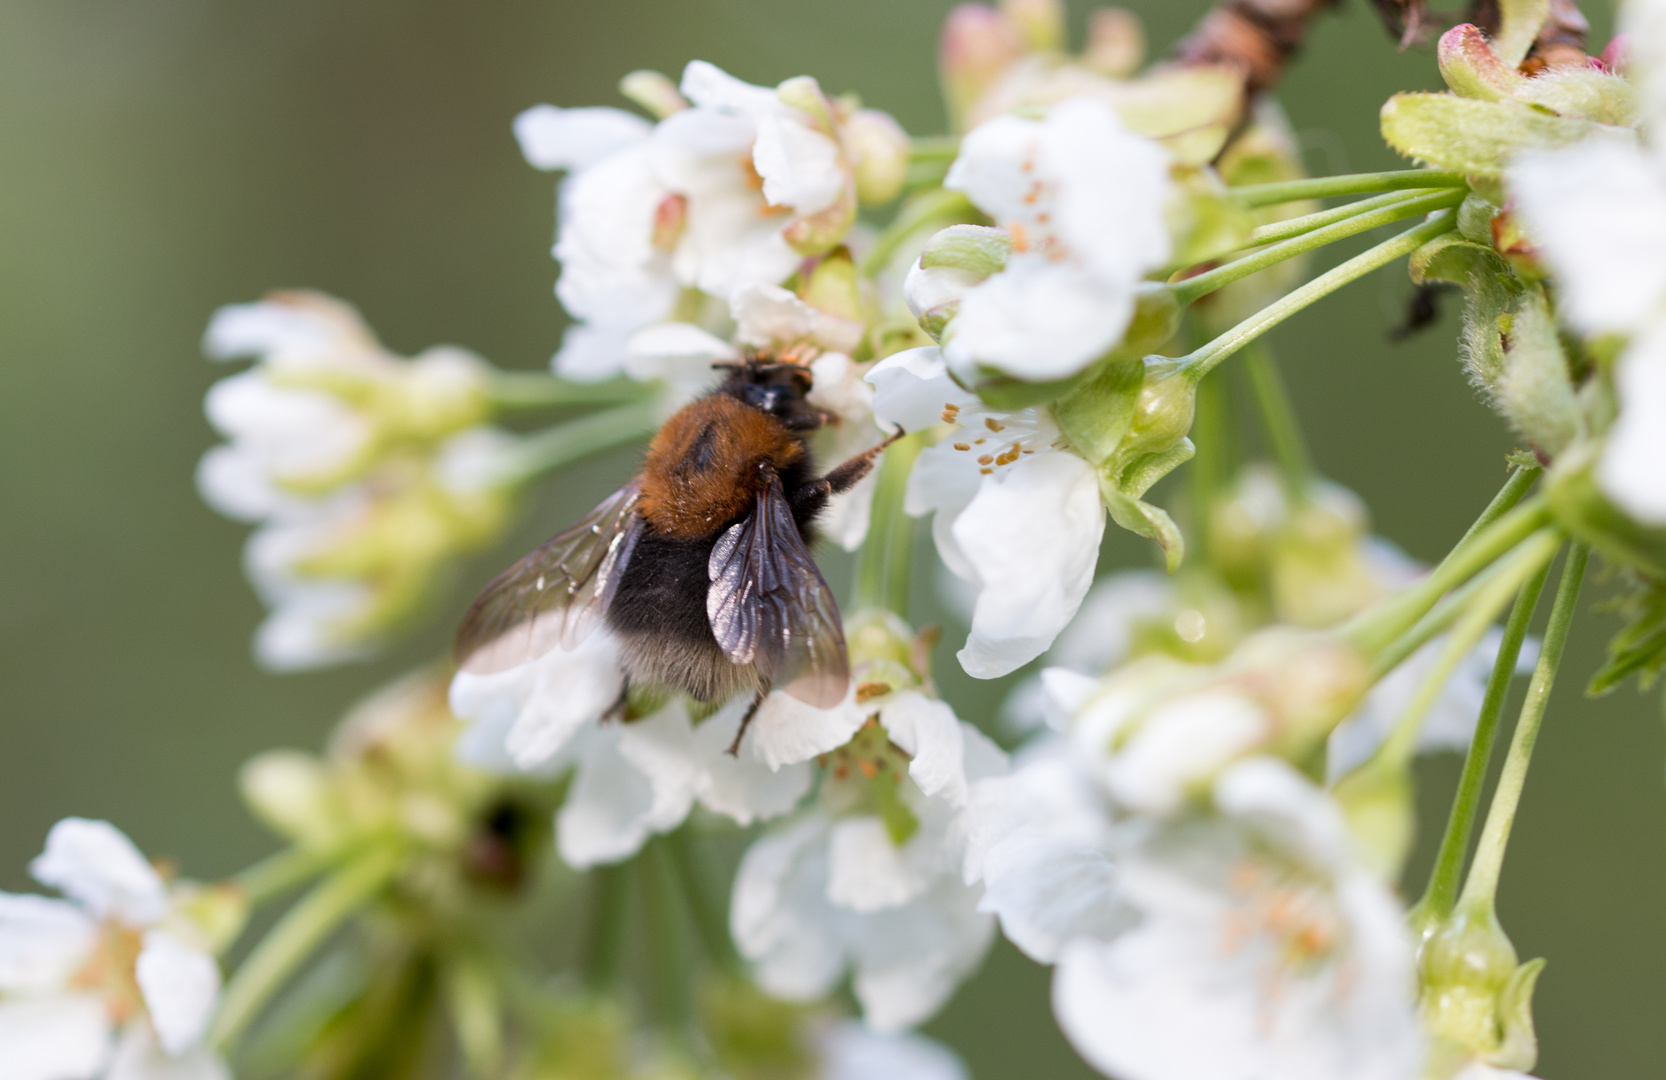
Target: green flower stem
{"points": [[1482, 883], [915, 214], [1442, 889], [1203, 360], [667, 957], [565, 443], [1251, 195], [882, 575], [709, 923], [605, 947], [302, 929], [538, 390], [934, 148], [277, 874], [1532, 559], [1284, 433], [1208, 466], [1277, 231], [1400, 208], [1375, 629]]}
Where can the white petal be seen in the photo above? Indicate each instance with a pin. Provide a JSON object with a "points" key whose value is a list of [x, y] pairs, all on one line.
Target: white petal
{"points": [[592, 352], [929, 731], [553, 138], [800, 166], [912, 389], [710, 87], [1598, 212], [786, 730], [611, 807], [851, 1052], [308, 629], [1630, 470], [926, 289], [743, 787], [1183, 743], [662, 748], [990, 167], [1288, 805], [1032, 536], [911, 959], [1119, 229], [768, 315], [1038, 320], [779, 915], [297, 433], [1098, 638], [138, 1057], [238, 483], [296, 325], [868, 871], [43, 942], [181, 987], [94, 863], [54, 1038]]}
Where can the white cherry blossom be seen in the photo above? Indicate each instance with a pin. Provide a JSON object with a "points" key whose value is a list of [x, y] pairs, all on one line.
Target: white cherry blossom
{"points": [[1017, 514], [111, 982], [727, 193], [834, 890], [850, 1051], [634, 780], [1257, 949], [1083, 201]]}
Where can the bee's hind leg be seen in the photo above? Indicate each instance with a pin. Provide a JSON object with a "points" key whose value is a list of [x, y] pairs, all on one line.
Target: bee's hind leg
{"points": [[746, 721]]}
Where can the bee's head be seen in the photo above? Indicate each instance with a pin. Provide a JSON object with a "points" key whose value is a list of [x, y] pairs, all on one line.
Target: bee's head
{"points": [[775, 387]]}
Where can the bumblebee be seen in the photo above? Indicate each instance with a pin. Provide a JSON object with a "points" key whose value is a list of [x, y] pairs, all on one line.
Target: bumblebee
{"points": [[700, 566]]}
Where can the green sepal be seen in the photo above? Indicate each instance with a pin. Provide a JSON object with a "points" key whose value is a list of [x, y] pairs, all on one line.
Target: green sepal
{"points": [[1096, 415], [1581, 507], [1640, 647], [1451, 258], [1122, 499], [1534, 390], [1478, 137], [1519, 1049]]}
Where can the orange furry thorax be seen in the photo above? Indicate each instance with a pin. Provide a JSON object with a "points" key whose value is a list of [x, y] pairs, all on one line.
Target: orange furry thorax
{"points": [[707, 465]]}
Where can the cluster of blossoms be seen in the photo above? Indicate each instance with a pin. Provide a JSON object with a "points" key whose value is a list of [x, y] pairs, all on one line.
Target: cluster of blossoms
{"points": [[1202, 810]]}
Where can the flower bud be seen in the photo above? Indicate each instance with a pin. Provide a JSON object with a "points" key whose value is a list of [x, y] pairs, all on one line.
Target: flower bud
{"points": [[879, 151], [978, 46], [654, 92], [834, 287], [1474, 994], [1116, 42], [1377, 803], [289, 791], [1040, 21]]}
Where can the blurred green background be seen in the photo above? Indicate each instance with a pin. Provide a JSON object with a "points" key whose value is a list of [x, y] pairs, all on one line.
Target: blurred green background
{"points": [[163, 157]]}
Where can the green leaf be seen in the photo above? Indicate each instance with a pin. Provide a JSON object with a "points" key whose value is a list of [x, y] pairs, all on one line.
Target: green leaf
{"points": [[1640, 648], [1478, 137]]}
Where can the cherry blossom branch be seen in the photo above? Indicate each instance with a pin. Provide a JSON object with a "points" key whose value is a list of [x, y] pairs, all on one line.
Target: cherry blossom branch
{"points": [[1482, 883], [1257, 37], [1442, 889], [882, 576]]}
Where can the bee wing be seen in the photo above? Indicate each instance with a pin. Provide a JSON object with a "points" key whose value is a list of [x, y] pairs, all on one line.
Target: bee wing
{"points": [[769, 606], [555, 595]]}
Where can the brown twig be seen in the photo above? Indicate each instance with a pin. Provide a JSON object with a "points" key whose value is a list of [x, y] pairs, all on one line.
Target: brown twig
{"points": [[1258, 37]]}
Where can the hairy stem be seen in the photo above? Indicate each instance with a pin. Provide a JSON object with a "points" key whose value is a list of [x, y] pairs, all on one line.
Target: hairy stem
{"points": [[302, 929], [1442, 889], [1253, 195], [1398, 208], [1482, 883], [1205, 359]]}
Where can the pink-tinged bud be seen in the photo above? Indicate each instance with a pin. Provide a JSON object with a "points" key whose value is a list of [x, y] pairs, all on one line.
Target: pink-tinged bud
{"points": [[979, 45], [1040, 21], [1617, 56], [1472, 69], [1116, 42], [670, 217]]}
